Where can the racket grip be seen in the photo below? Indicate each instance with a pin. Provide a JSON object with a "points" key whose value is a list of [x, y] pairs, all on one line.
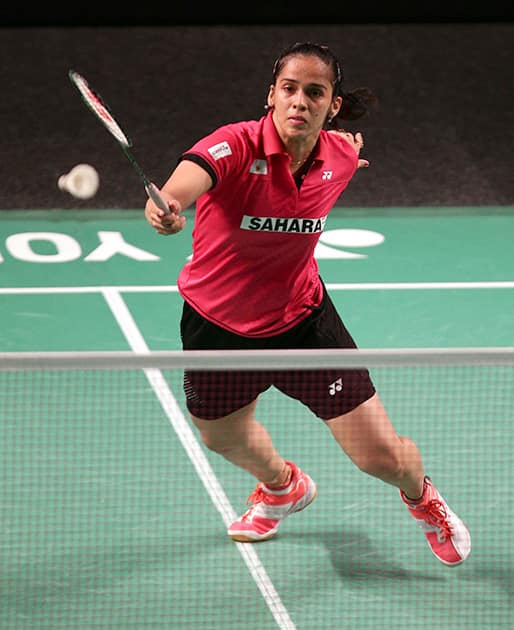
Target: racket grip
{"points": [[153, 192]]}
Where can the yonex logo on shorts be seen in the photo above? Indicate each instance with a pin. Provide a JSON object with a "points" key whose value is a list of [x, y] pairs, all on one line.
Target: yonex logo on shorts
{"points": [[283, 224], [220, 150], [336, 386]]}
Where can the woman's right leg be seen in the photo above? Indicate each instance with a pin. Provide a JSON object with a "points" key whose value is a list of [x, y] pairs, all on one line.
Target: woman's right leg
{"points": [[244, 442], [283, 487]]}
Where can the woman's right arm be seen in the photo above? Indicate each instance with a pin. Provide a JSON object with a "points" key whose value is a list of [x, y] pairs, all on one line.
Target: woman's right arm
{"points": [[187, 182]]}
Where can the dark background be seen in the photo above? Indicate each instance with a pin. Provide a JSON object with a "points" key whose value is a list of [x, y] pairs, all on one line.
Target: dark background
{"points": [[164, 12], [442, 135]]}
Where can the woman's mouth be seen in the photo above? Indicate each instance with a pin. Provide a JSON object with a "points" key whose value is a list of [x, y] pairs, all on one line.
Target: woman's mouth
{"points": [[297, 120]]}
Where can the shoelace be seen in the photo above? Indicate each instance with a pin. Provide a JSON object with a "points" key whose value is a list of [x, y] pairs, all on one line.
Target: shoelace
{"points": [[257, 496], [435, 514]]}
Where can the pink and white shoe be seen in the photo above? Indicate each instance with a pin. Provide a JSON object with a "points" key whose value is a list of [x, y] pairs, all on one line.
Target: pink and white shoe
{"points": [[446, 534], [271, 505]]}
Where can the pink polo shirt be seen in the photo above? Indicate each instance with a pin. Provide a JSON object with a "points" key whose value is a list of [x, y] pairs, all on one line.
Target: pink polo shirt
{"points": [[253, 270]]}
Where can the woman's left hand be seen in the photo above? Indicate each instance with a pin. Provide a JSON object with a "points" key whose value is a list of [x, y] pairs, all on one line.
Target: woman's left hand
{"points": [[356, 141]]}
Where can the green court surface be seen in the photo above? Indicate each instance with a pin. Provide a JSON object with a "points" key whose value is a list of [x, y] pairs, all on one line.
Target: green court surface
{"points": [[110, 521]]}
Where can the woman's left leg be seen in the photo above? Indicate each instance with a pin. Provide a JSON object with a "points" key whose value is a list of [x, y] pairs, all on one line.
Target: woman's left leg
{"points": [[369, 439]]}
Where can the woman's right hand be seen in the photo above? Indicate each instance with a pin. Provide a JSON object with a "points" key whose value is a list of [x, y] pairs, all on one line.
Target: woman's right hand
{"points": [[163, 223]]}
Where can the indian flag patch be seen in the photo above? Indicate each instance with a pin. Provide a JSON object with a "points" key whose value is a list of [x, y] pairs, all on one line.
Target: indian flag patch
{"points": [[259, 167]]}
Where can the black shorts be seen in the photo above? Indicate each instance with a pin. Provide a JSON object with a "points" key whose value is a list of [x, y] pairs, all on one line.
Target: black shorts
{"points": [[328, 393]]}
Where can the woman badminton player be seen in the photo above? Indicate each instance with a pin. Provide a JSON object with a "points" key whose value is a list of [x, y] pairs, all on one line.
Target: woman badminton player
{"points": [[263, 190]]}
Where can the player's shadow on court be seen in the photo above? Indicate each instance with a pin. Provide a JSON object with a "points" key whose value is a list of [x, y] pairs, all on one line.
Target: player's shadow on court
{"points": [[495, 577], [355, 557]]}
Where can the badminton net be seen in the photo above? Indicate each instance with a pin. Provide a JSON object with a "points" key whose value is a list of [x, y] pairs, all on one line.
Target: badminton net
{"points": [[114, 512]]}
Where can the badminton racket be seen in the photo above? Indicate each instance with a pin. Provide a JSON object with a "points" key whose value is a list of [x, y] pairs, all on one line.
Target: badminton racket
{"points": [[95, 103]]}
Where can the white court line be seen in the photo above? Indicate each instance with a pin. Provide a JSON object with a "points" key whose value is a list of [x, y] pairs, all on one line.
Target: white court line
{"points": [[188, 439], [93, 289], [334, 286], [395, 286]]}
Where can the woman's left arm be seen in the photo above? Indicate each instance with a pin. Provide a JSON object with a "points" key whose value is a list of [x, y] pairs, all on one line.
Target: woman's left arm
{"points": [[355, 141]]}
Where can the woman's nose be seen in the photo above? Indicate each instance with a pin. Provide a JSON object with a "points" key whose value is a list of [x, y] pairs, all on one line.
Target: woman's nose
{"points": [[300, 101]]}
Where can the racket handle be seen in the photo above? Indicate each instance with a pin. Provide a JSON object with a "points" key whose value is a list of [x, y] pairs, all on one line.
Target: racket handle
{"points": [[153, 192]]}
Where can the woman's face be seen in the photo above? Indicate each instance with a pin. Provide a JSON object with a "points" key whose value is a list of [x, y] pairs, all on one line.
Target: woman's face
{"points": [[302, 98]]}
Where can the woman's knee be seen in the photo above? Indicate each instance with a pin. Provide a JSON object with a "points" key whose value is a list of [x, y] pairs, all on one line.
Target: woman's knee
{"points": [[227, 433], [368, 437], [385, 463], [214, 436]]}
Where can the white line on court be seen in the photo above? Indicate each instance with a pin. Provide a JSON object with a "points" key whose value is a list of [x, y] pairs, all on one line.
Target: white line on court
{"points": [[334, 286], [188, 439], [408, 286]]}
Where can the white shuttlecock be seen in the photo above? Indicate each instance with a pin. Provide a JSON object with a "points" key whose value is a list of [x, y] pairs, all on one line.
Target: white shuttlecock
{"points": [[81, 182]]}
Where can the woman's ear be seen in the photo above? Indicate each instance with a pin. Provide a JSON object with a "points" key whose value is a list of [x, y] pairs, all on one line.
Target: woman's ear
{"points": [[271, 96], [335, 107]]}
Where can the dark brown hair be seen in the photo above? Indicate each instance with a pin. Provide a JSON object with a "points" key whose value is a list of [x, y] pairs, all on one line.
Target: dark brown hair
{"points": [[356, 103]]}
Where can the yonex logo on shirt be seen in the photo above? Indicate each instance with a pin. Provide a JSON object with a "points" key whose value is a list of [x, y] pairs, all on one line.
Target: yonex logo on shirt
{"points": [[283, 224], [222, 149]]}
